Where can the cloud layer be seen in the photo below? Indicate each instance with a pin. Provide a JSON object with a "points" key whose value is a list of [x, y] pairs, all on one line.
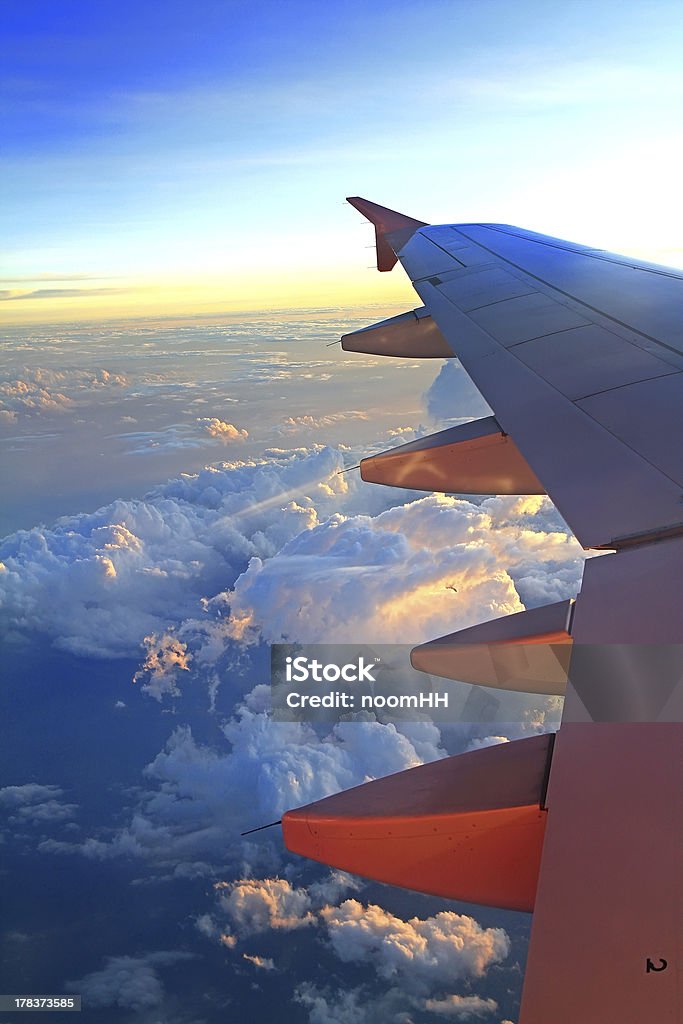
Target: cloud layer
{"points": [[283, 547], [98, 583], [420, 960]]}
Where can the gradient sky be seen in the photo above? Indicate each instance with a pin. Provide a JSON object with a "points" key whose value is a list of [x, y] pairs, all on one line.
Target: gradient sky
{"points": [[195, 157]]}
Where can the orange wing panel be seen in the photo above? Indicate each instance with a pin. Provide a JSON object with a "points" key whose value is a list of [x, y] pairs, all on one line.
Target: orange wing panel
{"points": [[469, 827]]}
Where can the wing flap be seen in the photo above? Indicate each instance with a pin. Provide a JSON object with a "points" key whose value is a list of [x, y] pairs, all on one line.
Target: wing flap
{"points": [[468, 827], [529, 651], [473, 458], [412, 335]]}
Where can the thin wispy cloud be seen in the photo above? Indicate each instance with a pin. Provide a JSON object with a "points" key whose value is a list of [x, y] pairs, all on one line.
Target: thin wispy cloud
{"points": [[61, 293]]}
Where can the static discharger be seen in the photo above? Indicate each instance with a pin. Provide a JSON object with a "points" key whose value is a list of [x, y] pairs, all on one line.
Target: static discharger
{"points": [[260, 828]]}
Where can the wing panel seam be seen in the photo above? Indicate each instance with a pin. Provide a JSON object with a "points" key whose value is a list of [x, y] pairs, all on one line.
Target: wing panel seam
{"points": [[572, 298]]}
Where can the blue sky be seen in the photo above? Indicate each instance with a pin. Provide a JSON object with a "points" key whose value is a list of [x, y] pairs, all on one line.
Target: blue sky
{"points": [[168, 156]]}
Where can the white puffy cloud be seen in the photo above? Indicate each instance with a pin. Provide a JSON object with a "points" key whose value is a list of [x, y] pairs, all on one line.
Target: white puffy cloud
{"points": [[406, 575], [486, 741], [361, 1005], [420, 959], [258, 905], [183, 822], [49, 811], [347, 1006], [221, 430], [331, 888], [98, 583], [131, 983], [432, 951]]}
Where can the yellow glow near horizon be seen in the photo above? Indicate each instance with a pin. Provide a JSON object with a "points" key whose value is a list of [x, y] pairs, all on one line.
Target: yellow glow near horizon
{"points": [[281, 289], [249, 289]]}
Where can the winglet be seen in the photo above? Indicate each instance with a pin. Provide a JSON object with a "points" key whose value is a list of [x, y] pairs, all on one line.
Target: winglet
{"points": [[386, 222]]}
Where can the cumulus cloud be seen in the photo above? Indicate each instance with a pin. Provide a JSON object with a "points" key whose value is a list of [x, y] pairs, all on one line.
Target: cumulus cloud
{"points": [[432, 951], [406, 575], [436, 950], [486, 741], [184, 820], [131, 983], [350, 1006], [331, 888], [98, 583], [420, 959], [258, 905], [222, 431], [42, 390], [364, 1005], [453, 395], [166, 657]]}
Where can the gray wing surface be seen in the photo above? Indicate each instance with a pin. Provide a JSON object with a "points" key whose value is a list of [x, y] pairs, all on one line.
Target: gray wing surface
{"points": [[580, 355]]}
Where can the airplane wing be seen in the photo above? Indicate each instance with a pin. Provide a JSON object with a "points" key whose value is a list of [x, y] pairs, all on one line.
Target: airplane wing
{"points": [[579, 354]]}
